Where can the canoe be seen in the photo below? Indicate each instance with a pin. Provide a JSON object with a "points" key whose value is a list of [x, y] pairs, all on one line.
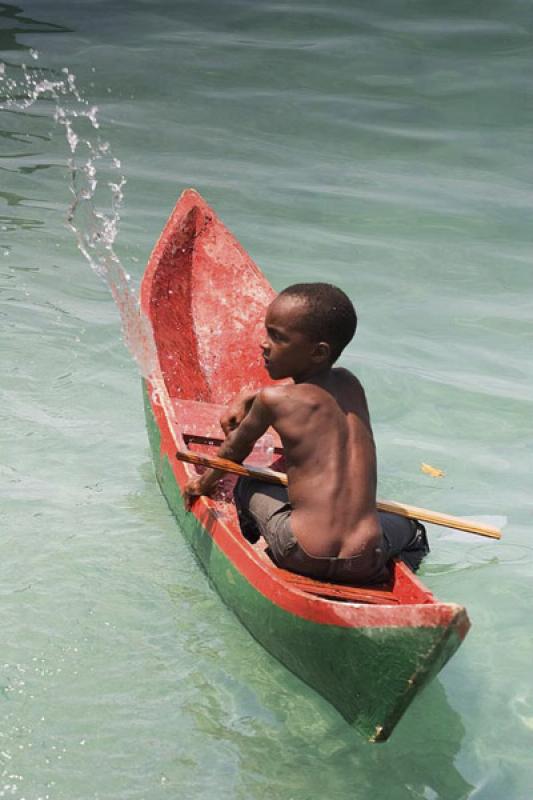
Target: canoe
{"points": [[367, 650]]}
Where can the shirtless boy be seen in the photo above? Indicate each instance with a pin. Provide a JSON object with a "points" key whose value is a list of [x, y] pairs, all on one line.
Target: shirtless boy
{"points": [[326, 524]]}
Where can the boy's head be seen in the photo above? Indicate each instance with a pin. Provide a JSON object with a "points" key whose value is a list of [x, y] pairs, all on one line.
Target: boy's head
{"points": [[316, 320], [328, 314]]}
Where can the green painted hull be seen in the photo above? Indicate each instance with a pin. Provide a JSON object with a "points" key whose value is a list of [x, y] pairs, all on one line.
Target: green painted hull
{"points": [[370, 673]]}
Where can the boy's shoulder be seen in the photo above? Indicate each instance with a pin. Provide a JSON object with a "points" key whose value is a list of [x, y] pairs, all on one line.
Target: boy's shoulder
{"points": [[341, 379], [283, 398], [348, 383], [343, 373], [272, 395], [348, 376]]}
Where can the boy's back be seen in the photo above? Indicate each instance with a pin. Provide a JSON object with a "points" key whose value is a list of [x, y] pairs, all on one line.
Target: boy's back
{"points": [[330, 459]]}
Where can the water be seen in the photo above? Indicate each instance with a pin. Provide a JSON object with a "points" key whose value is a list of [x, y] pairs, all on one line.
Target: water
{"points": [[387, 148]]}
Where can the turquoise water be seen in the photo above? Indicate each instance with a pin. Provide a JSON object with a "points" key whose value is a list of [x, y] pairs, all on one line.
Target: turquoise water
{"points": [[384, 146]]}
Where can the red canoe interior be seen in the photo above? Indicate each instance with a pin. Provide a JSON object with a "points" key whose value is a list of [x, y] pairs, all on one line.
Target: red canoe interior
{"points": [[206, 301]]}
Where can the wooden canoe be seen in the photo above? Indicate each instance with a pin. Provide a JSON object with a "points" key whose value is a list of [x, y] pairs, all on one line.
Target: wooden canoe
{"points": [[368, 651]]}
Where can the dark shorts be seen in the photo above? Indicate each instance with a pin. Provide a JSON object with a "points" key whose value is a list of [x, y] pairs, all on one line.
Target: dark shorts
{"points": [[264, 510]]}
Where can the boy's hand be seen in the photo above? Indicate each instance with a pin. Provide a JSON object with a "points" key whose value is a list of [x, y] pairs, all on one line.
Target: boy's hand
{"points": [[230, 420], [236, 411], [193, 489]]}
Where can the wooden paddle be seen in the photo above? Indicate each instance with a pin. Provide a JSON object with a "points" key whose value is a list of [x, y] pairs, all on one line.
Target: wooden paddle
{"points": [[413, 512]]}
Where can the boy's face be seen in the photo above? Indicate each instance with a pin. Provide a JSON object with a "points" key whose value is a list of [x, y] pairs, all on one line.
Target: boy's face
{"points": [[288, 352]]}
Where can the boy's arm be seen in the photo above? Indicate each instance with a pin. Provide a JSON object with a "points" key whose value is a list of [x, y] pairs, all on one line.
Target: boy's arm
{"points": [[238, 444]]}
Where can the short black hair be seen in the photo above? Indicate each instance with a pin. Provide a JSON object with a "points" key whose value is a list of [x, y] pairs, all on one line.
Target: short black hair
{"points": [[331, 316]]}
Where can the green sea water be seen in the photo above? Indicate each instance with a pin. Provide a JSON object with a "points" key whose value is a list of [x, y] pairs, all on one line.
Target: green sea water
{"points": [[386, 147]]}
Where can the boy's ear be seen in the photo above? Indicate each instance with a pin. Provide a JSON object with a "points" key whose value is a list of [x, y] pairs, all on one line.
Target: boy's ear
{"points": [[322, 352]]}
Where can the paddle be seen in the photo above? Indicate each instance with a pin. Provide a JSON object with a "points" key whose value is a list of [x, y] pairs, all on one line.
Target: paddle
{"points": [[413, 512]]}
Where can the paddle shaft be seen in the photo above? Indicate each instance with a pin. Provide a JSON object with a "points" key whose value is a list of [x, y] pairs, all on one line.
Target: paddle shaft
{"points": [[413, 512]]}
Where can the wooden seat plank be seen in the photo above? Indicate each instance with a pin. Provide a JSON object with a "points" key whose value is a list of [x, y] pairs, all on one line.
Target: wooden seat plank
{"points": [[340, 591]]}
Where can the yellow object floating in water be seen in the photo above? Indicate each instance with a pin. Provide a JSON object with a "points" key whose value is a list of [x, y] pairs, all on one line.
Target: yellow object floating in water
{"points": [[433, 471]]}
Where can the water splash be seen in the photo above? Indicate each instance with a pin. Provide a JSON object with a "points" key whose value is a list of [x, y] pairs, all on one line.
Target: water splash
{"points": [[95, 183]]}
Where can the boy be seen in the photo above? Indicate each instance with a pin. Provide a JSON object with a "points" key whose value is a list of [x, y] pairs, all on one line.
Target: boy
{"points": [[326, 524]]}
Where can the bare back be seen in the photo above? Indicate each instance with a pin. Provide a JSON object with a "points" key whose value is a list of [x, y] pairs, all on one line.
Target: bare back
{"points": [[330, 458]]}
